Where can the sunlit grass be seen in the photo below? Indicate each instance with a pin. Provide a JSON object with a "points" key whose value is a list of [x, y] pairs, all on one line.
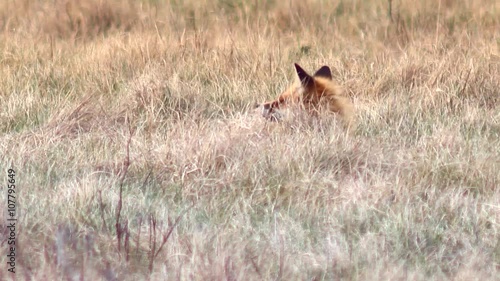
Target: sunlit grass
{"points": [[155, 101]]}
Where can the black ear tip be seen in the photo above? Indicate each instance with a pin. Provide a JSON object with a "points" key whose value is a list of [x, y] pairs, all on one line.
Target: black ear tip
{"points": [[298, 68], [324, 71], [304, 77], [300, 71]]}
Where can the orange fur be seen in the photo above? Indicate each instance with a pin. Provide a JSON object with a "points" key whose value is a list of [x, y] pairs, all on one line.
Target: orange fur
{"points": [[315, 94]]}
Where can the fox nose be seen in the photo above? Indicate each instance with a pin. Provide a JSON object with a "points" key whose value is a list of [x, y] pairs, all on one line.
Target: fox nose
{"points": [[273, 116], [266, 110], [270, 114]]}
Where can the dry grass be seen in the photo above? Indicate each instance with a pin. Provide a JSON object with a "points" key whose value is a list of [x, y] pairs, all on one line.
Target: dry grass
{"points": [[139, 156]]}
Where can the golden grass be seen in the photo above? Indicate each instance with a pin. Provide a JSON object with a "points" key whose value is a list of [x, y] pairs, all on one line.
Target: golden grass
{"points": [[139, 155]]}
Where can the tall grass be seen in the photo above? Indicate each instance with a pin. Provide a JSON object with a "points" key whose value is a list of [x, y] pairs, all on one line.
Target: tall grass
{"points": [[139, 154]]}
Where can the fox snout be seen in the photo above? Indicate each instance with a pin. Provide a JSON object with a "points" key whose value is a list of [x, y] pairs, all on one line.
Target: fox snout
{"points": [[268, 112]]}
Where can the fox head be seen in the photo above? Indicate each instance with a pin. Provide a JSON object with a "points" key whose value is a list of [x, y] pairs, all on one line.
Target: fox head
{"points": [[307, 91]]}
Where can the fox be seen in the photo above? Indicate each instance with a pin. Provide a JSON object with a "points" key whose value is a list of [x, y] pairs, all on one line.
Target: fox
{"points": [[315, 94]]}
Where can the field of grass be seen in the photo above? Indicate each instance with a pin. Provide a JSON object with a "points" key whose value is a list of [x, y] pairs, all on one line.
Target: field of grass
{"points": [[139, 155]]}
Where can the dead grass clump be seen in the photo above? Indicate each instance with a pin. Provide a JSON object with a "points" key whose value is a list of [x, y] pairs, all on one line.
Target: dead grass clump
{"points": [[73, 122]]}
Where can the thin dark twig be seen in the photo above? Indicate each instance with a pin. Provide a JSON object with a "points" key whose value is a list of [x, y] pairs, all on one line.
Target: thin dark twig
{"points": [[152, 241], [101, 207], [126, 164], [138, 237], [167, 235]]}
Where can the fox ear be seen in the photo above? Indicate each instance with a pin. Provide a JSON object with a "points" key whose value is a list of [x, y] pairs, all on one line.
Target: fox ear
{"points": [[305, 79], [324, 71]]}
